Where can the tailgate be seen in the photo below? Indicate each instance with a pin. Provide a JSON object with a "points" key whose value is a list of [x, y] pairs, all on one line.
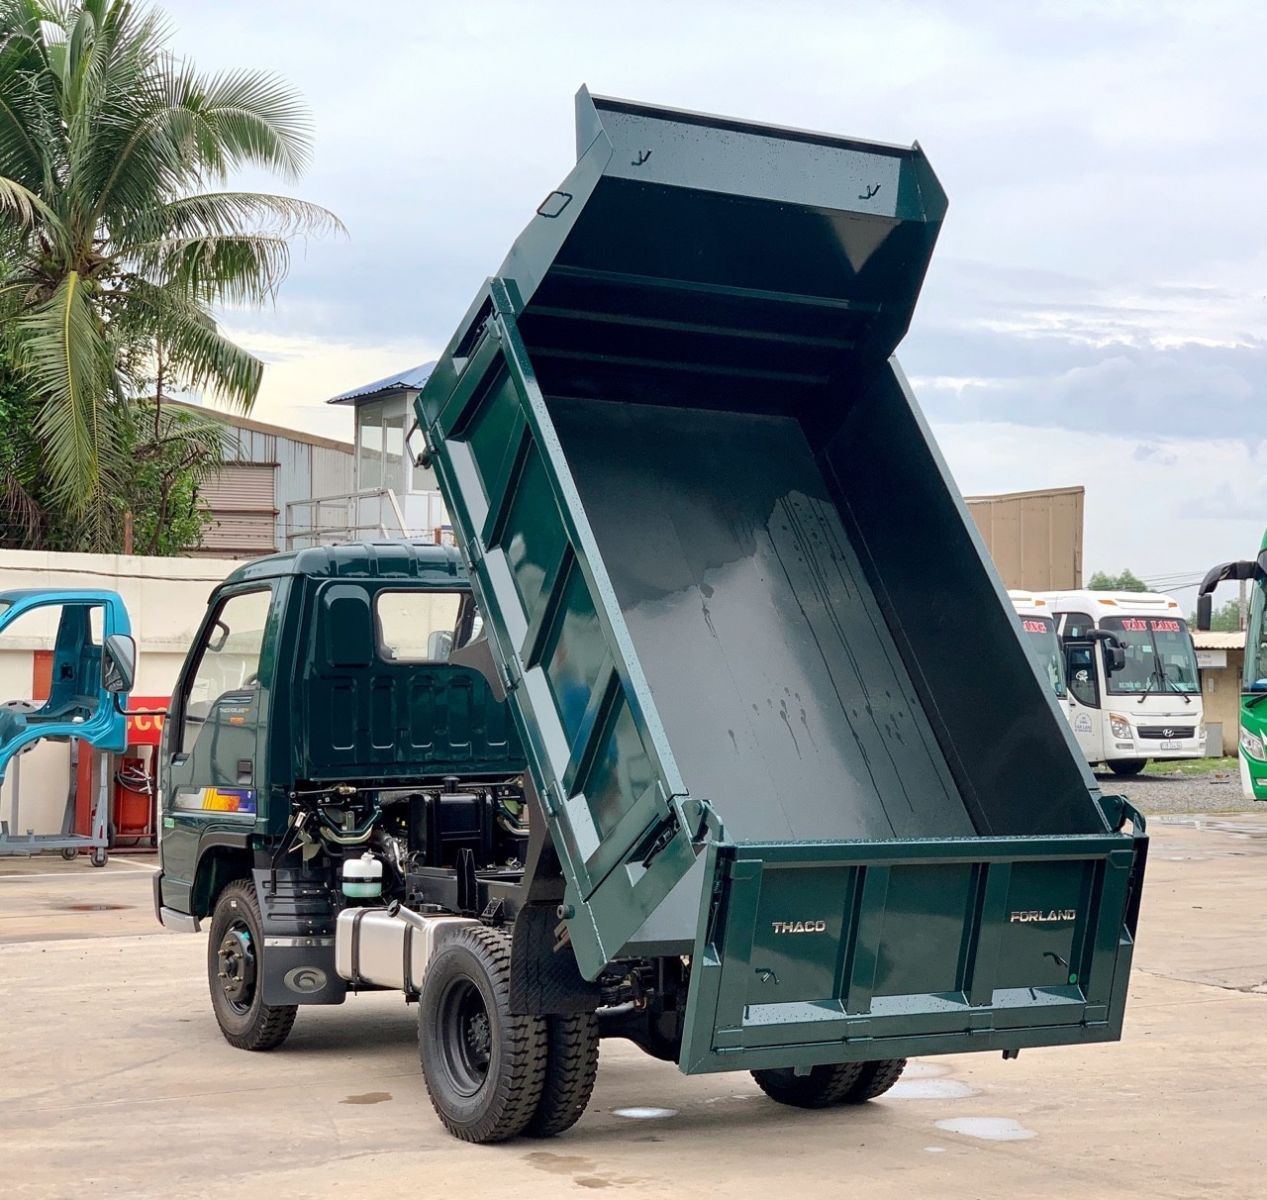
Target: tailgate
{"points": [[832, 952]]}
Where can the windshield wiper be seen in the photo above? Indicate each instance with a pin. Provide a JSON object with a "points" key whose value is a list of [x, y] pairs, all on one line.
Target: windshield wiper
{"points": [[1160, 671]]}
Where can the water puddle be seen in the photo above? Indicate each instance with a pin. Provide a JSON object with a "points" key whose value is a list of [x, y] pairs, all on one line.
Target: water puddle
{"points": [[924, 1070], [367, 1098], [990, 1129], [929, 1089], [645, 1114], [95, 907]]}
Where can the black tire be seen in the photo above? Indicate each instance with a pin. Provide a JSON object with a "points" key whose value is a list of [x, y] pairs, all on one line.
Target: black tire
{"points": [[571, 1068], [876, 1079], [235, 975], [99, 856], [1126, 767], [69, 853], [484, 1068], [823, 1087]]}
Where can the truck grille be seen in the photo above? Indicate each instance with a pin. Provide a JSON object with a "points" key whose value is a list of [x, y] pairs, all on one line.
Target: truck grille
{"points": [[1165, 732]]}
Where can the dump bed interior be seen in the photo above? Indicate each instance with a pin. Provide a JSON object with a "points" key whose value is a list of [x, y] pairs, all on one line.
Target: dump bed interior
{"points": [[780, 687], [729, 580]]}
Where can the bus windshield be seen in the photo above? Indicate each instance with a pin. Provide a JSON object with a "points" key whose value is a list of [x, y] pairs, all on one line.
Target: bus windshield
{"points": [[1256, 638], [1159, 656], [1043, 648]]}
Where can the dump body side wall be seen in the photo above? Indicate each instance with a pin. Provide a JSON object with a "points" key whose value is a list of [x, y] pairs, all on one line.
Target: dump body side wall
{"points": [[1010, 750]]}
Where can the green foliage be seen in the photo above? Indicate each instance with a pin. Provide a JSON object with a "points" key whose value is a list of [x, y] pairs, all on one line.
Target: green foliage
{"points": [[1127, 581], [1225, 619], [118, 237]]}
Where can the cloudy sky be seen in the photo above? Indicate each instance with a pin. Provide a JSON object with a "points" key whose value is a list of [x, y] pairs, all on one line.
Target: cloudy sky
{"points": [[1095, 312]]}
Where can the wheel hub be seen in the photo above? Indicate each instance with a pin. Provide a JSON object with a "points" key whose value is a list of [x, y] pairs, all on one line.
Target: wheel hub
{"points": [[237, 966], [466, 1038]]}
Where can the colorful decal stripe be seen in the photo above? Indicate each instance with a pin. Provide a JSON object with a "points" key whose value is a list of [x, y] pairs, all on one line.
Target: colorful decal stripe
{"points": [[212, 799]]}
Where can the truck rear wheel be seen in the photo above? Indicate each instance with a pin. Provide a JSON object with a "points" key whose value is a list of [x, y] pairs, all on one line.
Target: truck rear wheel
{"points": [[484, 1068], [1127, 767], [235, 974], [571, 1068], [823, 1087], [876, 1079]]}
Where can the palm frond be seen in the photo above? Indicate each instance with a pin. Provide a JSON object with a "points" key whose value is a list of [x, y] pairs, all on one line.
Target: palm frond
{"points": [[195, 349], [23, 204], [65, 358]]}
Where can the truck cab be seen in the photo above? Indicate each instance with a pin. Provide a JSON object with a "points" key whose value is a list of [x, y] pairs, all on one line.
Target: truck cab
{"points": [[325, 682]]}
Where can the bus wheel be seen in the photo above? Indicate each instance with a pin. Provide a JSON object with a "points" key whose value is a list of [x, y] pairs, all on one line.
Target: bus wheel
{"points": [[1126, 767]]}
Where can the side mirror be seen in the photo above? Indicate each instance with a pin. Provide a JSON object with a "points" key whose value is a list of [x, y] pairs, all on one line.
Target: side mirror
{"points": [[1205, 608], [118, 664], [439, 645], [1115, 657]]}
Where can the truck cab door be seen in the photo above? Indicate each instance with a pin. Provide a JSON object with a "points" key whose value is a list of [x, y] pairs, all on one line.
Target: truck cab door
{"points": [[1083, 699], [214, 741], [79, 704]]}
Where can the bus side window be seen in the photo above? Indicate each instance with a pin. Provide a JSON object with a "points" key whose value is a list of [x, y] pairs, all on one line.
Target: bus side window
{"points": [[1080, 665]]}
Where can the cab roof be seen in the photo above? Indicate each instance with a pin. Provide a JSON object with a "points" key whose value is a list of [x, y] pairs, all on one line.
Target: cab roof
{"points": [[439, 565]]}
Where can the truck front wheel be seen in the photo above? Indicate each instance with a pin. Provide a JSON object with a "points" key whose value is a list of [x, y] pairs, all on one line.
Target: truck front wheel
{"points": [[235, 973], [484, 1068]]}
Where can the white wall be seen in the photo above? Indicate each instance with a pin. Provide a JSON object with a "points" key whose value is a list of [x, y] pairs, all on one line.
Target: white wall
{"points": [[165, 598]]}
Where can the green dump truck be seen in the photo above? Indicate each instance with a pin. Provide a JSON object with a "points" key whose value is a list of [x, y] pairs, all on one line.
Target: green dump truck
{"points": [[696, 739]]}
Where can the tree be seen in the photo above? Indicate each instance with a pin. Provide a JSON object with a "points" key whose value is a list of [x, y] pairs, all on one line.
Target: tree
{"points": [[1225, 619], [1127, 581], [118, 238]]}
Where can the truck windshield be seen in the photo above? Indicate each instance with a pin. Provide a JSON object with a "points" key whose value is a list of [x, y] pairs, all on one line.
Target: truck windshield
{"points": [[1256, 639], [1159, 656], [1044, 651]]}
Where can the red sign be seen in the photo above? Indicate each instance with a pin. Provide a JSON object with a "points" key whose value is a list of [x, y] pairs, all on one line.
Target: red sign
{"points": [[1031, 626], [1138, 625], [144, 728]]}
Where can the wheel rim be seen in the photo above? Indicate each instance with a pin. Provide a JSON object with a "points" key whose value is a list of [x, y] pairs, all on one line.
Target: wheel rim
{"points": [[237, 966], [465, 1036]]}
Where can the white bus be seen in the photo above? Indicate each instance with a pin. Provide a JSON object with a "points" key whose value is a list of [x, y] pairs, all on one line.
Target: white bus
{"points": [[1133, 692], [1042, 643]]}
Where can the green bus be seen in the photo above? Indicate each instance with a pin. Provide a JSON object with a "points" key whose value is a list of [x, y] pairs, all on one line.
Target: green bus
{"points": [[1253, 723]]}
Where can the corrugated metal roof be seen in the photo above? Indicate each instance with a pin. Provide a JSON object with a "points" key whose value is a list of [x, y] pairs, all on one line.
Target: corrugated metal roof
{"points": [[411, 377], [1218, 641]]}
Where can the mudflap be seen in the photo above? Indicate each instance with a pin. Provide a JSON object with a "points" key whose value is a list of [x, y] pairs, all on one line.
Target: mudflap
{"points": [[811, 953], [298, 957]]}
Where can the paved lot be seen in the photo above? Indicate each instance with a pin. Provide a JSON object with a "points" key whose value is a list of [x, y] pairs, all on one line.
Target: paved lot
{"points": [[115, 1081], [1173, 795]]}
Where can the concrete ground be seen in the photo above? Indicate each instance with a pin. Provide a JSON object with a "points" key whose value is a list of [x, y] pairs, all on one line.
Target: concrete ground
{"points": [[115, 1082]]}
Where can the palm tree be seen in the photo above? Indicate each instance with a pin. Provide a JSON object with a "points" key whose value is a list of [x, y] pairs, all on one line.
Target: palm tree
{"points": [[118, 234]]}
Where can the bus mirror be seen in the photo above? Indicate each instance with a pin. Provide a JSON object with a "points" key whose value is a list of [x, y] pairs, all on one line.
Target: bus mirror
{"points": [[1205, 607], [1117, 657]]}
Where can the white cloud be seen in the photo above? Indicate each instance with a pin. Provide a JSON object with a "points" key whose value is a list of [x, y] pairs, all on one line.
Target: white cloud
{"points": [[1101, 268], [302, 373]]}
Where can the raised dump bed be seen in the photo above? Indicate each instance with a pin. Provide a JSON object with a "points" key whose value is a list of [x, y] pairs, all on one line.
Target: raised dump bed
{"points": [[777, 715]]}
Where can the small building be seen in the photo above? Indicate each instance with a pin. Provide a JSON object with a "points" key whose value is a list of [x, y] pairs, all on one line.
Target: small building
{"points": [[1035, 538], [393, 495], [269, 481], [1221, 660]]}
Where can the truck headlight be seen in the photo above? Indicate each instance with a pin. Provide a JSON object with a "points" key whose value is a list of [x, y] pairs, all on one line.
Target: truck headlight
{"points": [[1121, 726], [1252, 744]]}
